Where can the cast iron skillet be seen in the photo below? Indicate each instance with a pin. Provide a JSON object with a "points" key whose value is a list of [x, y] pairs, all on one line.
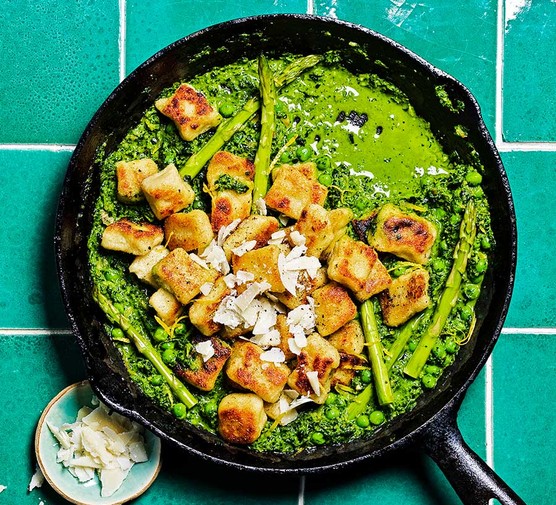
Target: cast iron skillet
{"points": [[432, 424]]}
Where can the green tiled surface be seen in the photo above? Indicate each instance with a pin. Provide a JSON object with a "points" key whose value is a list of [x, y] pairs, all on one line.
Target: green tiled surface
{"points": [[529, 42], [61, 59], [524, 389], [29, 293]]}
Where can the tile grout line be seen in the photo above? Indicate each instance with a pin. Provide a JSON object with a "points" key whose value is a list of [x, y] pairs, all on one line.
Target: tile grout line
{"points": [[499, 98], [56, 148], [489, 413], [122, 39], [310, 7], [301, 495], [26, 332]]}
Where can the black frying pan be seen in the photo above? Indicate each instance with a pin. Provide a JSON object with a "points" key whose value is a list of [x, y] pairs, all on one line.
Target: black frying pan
{"points": [[432, 424]]}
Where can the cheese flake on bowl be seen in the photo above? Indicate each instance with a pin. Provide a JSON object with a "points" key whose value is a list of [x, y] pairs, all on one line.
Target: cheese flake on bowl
{"points": [[103, 443]]}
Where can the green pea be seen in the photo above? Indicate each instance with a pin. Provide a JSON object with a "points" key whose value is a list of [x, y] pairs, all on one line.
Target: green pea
{"points": [[211, 407], [179, 410], [466, 312], [439, 351], [439, 213], [399, 271], [412, 345], [119, 307], [167, 345], [485, 243], [169, 356], [433, 370], [481, 265], [317, 438], [429, 381], [474, 178], [454, 219], [117, 334], [443, 245], [303, 153], [281, 109], [361, 204], [362, 421], [323, 163], [226, 109], [366, 376], [156, 380], [180, 329], [160, 335], [285, 157], [377, 417], [451, 346], [438, 264], [111, 275], [325, 179], [331, 399], [472, 291], [332, 413]]}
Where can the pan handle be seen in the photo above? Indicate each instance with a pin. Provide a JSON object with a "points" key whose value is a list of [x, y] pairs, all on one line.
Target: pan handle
{"points": [[472, 479]]}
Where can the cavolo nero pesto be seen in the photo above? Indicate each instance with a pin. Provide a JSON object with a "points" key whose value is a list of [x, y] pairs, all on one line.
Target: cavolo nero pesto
{"points": [[370, 148]]}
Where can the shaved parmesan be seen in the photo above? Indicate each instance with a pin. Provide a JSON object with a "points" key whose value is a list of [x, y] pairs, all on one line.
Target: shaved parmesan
{"points": [[37, 480], [206, 288], [260, 205], [313, 378], [198, 260], [269, 339], [274, 355], [215, 256], [277, 237], [245, 247], [205, 349], [225, 231], [292, 265], [296, 238], [99, 442]]}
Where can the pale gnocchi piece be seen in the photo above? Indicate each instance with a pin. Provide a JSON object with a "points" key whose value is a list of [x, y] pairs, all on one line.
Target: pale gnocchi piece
{"points": [[225, 172], [189, 230], [166, 192], [405, 297], [142, 266], [356, 266], [190, 110], [405, 235], [132, 238], [130, 175], [349, 364], [349, 338], [246, 369], [333, 308], [305, 286], [294, 187], [241, 418], [167, 307], [182, 276], [317, 356], [254, 227], [263, 264], [314, 224], [203, 308]]}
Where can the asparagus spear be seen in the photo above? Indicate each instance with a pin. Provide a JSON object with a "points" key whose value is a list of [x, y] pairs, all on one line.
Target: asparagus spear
{"points": [[375, 350], [145, 347], [403, 337], [359, 403], [268, 127], [228, 128], [450, 294]]}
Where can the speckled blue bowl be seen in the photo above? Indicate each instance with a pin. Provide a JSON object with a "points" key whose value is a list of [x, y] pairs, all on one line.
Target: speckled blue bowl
{"points": [[63, 409]]}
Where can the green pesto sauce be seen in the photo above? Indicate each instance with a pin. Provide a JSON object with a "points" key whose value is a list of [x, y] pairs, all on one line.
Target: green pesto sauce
{"points": [[370, 147]]}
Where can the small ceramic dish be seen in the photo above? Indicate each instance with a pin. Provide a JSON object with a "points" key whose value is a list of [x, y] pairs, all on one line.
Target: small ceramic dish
{"points": [[62, 409]]}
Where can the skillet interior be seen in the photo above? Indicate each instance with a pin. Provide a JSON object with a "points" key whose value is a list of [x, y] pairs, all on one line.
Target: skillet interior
{"points": [[365, 51]]}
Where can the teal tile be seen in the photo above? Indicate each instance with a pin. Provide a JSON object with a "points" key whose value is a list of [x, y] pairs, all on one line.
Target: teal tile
{"points": [[31, 182], [150, 27], [524, 377], [59, 61], [406, 477], [33, 369], [529, 72], [534, 296], [461, 40]]}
